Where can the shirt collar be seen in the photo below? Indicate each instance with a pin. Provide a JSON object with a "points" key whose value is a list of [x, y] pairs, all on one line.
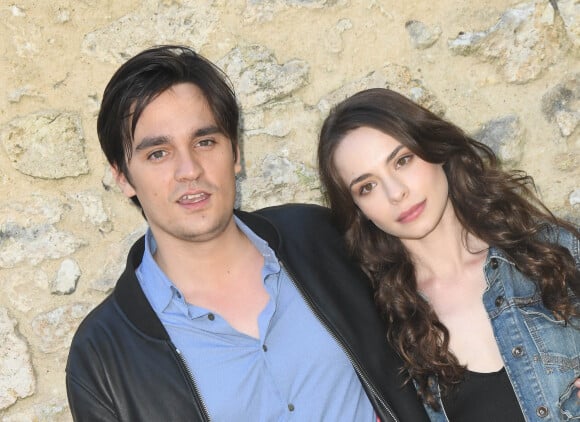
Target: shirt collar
{"points": [[271, 264], [153, 280], [162, 290]]}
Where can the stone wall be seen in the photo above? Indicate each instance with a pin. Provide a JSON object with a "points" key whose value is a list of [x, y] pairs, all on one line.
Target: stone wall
{"points": [[507, 72]]}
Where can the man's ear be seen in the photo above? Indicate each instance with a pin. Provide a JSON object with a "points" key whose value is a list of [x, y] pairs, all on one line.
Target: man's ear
{"points": [[238, 163], [122, 182]]}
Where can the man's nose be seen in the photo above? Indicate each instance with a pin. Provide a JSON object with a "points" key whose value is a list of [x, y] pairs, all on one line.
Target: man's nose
{"points": [[188, 167]]}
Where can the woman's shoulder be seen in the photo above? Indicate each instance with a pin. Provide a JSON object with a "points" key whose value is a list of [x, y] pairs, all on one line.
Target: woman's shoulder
{"points": [[564, 237]]}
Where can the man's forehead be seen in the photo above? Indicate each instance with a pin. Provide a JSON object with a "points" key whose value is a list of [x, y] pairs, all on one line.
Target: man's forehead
{"points": [[141, 106]]}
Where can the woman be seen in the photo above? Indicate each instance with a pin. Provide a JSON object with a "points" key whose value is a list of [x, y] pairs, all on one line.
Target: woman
{"points": [[478, 282]]}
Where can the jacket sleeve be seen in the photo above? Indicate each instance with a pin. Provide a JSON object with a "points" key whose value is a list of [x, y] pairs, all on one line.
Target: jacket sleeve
{"points": [[85, 405]]}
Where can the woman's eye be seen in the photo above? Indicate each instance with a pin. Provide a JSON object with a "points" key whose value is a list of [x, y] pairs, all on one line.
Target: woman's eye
{"points": [[404, 160], [156, 155], [366, 188]]}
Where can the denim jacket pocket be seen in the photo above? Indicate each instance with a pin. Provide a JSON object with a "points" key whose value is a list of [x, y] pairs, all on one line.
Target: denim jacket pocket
{"points": [[558, 344], [569, 403], [557, 341]]}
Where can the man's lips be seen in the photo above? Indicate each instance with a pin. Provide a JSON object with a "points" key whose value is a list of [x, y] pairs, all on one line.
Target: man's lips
{"points": [[411, 213], [193, 198]]}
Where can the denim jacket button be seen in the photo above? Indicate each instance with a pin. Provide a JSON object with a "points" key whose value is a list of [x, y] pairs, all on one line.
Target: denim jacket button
{"points": [[517, 352], [493, 262], [499, 301], [542, 411]]}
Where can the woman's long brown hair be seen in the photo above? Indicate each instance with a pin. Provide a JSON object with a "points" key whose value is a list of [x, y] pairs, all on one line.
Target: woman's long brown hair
{"points": [[495, 205]]}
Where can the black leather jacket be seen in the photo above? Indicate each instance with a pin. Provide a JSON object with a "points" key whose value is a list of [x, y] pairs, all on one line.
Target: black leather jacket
{"points": [[122, 366]]}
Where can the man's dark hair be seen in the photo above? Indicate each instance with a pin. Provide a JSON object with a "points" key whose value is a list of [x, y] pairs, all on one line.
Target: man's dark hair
{"points": [[141, 79]]}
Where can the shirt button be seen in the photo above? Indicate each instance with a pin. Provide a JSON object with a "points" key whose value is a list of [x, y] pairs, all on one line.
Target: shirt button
{"points": [[265, 348], [291, 407], [211, 317], [499, 301], [542, 411], [517, 352], [493, 262]]}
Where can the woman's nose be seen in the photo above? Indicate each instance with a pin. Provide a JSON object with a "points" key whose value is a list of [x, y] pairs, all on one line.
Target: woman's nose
{"points": [[395, 189]]}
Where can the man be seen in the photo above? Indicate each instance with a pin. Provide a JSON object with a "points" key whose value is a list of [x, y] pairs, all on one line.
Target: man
{"points": [[221, 316]]}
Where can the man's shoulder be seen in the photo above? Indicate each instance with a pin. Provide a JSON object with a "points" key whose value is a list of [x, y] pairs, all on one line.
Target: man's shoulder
{"points": [[101, 319], [297, 213], [107, 315], [291, 222], [307, 227]]}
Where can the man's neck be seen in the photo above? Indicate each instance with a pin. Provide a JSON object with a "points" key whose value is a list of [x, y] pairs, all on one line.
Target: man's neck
{"points": [[222, 275], [188, 262]]}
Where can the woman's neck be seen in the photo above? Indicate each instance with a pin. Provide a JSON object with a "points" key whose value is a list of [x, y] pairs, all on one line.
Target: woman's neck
{"points": [[446, 251]]}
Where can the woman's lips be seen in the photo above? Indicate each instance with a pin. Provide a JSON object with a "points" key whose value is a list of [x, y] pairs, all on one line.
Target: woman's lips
{"points": [[412, 213]]}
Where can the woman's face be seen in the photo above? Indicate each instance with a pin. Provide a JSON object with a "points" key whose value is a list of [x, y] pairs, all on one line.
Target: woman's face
{"points": [[399, 192]]}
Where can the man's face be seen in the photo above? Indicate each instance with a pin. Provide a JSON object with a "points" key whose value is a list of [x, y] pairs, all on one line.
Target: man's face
{"points": [[182, 168]]}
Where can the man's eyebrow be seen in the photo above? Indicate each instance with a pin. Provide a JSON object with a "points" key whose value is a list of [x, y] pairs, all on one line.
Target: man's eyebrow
{"points": [[210, 130], [360, 178], [153, 141]]}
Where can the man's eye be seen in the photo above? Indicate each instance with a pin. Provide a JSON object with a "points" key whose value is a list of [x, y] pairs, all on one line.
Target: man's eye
{"points": [[156, 155], [206, 143]]}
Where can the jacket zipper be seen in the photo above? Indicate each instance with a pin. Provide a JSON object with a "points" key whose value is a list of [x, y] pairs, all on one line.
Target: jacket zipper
{"points": [[362, 375], [193, 384]]}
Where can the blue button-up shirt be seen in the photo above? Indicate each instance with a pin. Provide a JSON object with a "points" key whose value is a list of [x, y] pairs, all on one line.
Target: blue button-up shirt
{"points": [[294, 371]]}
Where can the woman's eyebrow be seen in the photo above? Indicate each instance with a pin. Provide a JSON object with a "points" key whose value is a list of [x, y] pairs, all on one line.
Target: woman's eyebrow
{"points": [[360, 178]]}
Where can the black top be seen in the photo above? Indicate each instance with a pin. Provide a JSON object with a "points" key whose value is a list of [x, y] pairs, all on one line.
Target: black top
{"points": [[483, 397]]}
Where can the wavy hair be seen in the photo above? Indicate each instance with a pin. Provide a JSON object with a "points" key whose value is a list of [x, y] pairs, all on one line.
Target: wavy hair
{"points": [[495, 205]]}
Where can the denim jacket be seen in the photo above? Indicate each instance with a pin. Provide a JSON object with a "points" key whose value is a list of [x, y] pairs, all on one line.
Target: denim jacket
{"points": [[541, 354]]}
